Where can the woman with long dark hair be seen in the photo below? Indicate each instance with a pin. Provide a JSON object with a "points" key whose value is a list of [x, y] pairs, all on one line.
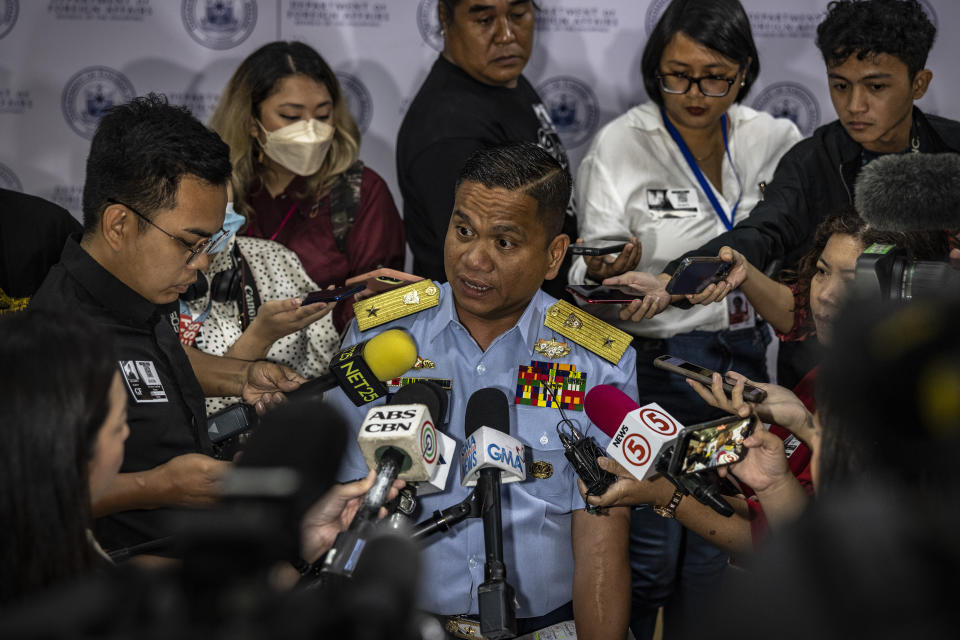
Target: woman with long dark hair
{"points": [[61, 445]]}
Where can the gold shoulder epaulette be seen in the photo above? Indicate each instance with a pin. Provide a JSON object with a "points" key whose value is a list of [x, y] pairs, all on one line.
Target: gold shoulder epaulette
{"points": [[589, 332], [396, 303]]}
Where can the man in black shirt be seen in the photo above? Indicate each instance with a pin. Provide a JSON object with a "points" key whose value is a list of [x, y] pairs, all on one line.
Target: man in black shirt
{"points": [[474, 97], [153, 205]]}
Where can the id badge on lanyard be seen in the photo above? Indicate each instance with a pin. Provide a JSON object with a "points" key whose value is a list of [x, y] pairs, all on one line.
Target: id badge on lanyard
{"points": [[698, 174]]}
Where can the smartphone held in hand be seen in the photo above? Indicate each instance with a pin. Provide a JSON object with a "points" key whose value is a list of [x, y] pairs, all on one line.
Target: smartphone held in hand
{"points": [[705, 376], [696, 274]]}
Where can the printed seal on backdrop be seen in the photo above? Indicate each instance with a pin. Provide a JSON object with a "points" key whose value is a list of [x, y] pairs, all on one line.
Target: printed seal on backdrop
{"points": [[925, 4], [8, 179], [9, 10], [219, 24], [573, 108], [429, 24], [793, 101], [654, 10], [358, 99], [89, 94]]}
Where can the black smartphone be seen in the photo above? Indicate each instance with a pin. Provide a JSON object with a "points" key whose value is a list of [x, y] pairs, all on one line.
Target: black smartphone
{"points": [[601, 294], [597, 247], [705, 376], [696, 274], [332, 295], [710, 445], [230, 428]]}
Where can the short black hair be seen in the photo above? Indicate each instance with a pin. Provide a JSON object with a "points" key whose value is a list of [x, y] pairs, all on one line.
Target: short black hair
{"points": [[140, 152], [450, 5], [527, 168], [721, 25], [899, 28]]}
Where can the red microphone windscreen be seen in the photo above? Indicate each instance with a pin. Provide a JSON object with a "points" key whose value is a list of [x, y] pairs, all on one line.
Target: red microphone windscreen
{"points": [[606, 407]]}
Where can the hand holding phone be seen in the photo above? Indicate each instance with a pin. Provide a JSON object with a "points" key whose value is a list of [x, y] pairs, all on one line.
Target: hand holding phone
{"points": [[696, 274], [711, 445], [705, 376]]}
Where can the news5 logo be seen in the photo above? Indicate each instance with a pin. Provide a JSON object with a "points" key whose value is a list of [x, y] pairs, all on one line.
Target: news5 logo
{"points": [[792, 101], [219, 24], [429, 24], [573, 108], [89, 94], [8, 179], [358, 99], [9, 10]]}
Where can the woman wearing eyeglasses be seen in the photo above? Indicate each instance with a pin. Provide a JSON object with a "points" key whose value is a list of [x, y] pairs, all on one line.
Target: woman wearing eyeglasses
{"points": [[673, 173]]}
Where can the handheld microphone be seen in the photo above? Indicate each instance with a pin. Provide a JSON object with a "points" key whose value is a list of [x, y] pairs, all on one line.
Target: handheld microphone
{"points": [[637, 434], [360, 369], [498, 457], [910, 192], [399, 440], [642, 441]]}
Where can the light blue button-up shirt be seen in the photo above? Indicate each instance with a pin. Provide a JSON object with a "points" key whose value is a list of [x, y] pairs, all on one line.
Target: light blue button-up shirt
{"points": [[537, 512]]}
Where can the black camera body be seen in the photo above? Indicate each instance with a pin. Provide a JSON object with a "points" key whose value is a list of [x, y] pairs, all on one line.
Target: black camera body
{"points": [[884, 272], [230, 429]]}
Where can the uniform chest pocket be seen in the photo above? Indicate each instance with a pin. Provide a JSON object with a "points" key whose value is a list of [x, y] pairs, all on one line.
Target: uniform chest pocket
{"points": [[549, 475], [665, 203]]}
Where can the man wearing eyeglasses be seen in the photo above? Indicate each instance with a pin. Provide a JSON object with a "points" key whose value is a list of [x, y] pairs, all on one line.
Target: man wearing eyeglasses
{"points": [[153, 207]]}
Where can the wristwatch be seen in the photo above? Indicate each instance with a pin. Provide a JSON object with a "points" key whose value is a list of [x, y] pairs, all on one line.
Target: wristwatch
{"points": [[669, 511]]}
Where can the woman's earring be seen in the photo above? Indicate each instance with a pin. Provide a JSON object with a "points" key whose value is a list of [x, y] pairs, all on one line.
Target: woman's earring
{"points": [[743, 83]]}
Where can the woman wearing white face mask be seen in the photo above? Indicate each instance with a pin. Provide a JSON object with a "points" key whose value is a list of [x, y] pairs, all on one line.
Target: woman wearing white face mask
{"points": [[296, 177]]}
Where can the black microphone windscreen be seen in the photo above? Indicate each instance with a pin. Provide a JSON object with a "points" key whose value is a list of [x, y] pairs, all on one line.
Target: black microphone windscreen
{"points": [[421, 393], [910, 192], [487, 408], [308, 436]]}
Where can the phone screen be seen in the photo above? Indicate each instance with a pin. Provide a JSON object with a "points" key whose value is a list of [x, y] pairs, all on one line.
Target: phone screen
{"points": [[601, 294], [715, 446], [696, 274]]}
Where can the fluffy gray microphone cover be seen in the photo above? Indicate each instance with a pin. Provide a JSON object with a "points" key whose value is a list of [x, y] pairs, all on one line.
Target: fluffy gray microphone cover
{"points": [[910, 192]]}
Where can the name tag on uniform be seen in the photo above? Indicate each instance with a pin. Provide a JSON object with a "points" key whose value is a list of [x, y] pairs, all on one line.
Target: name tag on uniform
{"points": [[666, 201], [143, 381]]}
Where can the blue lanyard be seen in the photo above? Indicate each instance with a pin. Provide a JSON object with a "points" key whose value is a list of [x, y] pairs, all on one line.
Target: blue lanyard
{"points": [[704, 184]]}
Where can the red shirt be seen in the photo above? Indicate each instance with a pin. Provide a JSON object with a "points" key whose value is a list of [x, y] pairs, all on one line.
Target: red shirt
{"points": [[376, 238]]}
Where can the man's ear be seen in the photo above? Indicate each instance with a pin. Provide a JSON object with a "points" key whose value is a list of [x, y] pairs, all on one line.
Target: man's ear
{"points": [[556, 250], [117, 226], [921, 82]]}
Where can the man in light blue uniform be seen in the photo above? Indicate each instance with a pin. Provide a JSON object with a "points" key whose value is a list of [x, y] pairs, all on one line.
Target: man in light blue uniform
{"points": [[490, 325]]}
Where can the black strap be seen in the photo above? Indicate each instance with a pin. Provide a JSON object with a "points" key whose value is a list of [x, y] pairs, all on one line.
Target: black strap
{"points": [[248, 298], [344, 203]]}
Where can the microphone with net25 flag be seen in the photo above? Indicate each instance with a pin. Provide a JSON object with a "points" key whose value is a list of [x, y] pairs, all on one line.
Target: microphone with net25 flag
{"points": [[361, 369]]}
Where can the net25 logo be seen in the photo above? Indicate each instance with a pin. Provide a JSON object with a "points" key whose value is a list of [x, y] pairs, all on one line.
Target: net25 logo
{"points": [[89, 94], [219, 24]]}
